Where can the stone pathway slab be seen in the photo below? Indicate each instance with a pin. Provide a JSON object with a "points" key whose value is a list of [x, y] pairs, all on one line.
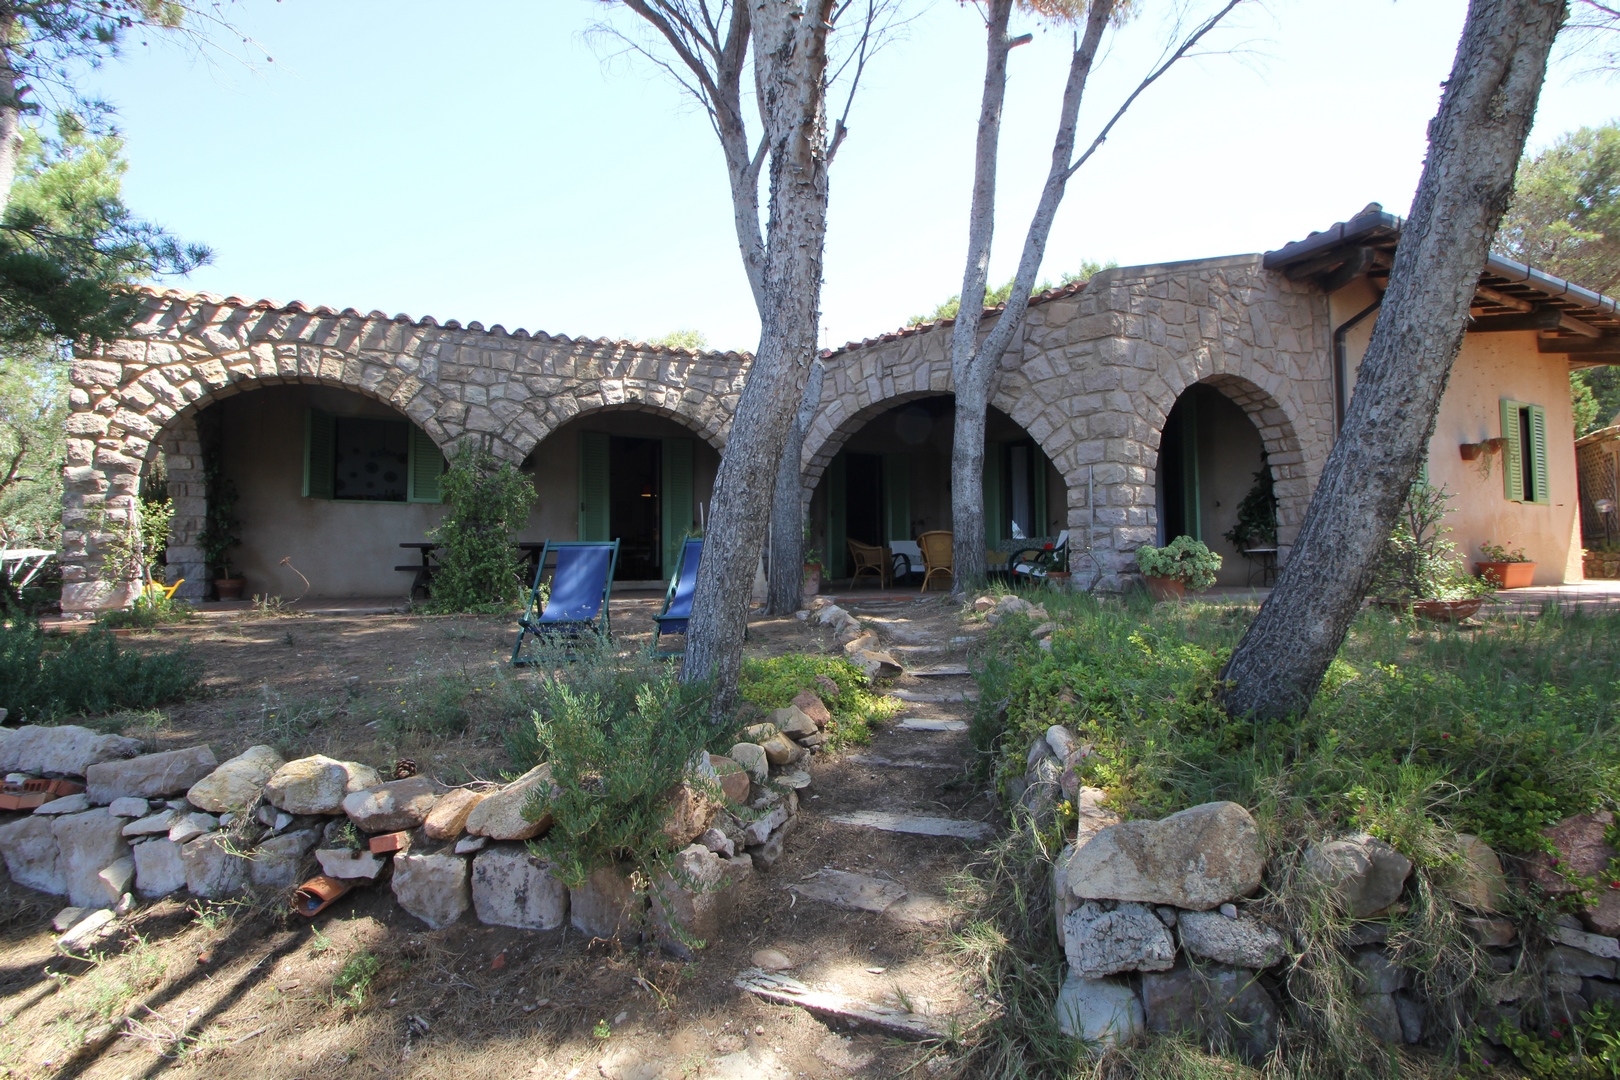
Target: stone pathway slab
{"points": [[939, 671], [785, 991], [925, 697], [856, 892], [917, 826], [897, 763], [924, 723]]}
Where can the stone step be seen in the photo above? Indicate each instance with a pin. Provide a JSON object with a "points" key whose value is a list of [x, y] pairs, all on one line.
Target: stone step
{"points": [[914, 824], [856, 892], [930, 723], [897, 763], [927, 697], [937, 671]]}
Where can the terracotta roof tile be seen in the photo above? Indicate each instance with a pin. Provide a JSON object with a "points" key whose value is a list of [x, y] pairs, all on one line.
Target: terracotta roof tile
{"points": [[300, 308], [924, 327]]}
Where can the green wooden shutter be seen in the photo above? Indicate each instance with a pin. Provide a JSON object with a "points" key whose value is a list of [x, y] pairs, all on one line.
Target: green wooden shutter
{"points": [[1538, 452], [1513, 454], [675, 501], [320, 454], [593, 486], [1042, 526], [995, 510], [897, 495], [837, 507], [425, 467]]}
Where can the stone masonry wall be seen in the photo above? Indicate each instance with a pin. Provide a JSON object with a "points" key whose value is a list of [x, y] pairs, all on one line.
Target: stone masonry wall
{"points": [[134, 397], [1097, 371]]}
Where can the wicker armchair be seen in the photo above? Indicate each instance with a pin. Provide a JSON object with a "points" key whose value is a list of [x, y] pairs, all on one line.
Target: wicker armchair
{"points": [[938, 556], [870, 559]]}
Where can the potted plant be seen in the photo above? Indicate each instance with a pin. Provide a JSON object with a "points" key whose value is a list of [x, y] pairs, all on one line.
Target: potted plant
{"points": [[1506, 567], [1256, 525], [812, 573], [1420, 569], [219, 534], [1182, 564]]}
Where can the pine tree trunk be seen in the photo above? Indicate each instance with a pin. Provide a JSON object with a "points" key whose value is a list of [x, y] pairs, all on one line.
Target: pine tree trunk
{"points": [[790, 61], [1474, 147], [786, 583], [10, 114]]}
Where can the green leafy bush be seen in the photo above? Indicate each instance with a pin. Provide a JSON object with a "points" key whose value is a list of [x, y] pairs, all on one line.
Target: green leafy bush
{"points": [[1183, 558], [1418, 562], [774, 683], [617, 741], [52, 677], [480, 568], [1501, 553]]}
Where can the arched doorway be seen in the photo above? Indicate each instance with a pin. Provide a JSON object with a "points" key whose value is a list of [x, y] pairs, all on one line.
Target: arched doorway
{"points": [[890, 480], [323, 483], [1212, 458], [626, 473]]}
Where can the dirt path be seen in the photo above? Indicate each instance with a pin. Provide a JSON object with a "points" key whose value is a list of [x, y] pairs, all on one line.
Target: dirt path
{"points": [[249, 995]]}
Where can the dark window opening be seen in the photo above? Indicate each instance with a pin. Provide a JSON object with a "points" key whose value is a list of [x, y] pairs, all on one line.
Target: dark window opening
{"points": [[1527, 472], [372, 459], [864, 499]]}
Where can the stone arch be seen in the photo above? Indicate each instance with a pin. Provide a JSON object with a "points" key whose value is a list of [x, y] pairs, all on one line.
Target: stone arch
{"points": [[132, 397], [696, 424], [1285, 455]]}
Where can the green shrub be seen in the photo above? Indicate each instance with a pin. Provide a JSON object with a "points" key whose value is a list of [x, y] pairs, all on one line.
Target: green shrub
{"points": [[775, 682], [52, 677], [1183, 558], [617, 742], [479, 567], [1418, 562]]}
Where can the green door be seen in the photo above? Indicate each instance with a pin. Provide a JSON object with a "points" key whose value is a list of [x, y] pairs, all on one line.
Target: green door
{"points": [[593, 486], [836, 510], [994, 465], [675, 505], [897, 496]]}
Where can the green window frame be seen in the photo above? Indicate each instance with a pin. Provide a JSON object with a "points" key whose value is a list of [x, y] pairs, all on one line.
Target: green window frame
{"points": [[424, 465], [1524, 459]]}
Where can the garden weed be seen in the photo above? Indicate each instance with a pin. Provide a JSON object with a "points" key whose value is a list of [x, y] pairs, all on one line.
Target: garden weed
{"points": [[353, 980]]}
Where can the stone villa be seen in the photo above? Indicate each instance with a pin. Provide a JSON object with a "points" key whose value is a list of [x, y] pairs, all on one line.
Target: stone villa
{"points": [[1132, 408]]}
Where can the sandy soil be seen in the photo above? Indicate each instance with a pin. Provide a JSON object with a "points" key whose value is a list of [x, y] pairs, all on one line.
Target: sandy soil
{"points": [[241, 991]]}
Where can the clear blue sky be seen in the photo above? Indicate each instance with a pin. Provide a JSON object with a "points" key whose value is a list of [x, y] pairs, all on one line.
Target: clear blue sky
{"points": [[483, 161]]}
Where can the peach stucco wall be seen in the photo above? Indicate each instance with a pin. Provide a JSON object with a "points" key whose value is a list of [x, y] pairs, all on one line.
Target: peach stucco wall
{"points": [[1489, 368]]}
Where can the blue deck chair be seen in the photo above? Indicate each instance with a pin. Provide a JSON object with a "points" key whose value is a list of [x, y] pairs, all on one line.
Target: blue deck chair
{"points": [[580, 585], [678, 600]]}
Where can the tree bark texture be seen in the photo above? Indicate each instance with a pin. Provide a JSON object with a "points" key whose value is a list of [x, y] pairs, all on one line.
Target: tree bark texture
{"points": [[786, 581], [1474, 147], [10, 113], [974, 363], [790, 59]]}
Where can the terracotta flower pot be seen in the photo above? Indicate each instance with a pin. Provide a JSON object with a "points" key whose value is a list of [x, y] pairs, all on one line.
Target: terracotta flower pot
{"points": [[1165, 588], [230, 588], [812, 581], [1507, 575], [1436, 610]]}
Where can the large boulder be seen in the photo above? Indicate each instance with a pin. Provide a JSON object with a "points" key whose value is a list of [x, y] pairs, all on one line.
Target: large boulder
{"points": [[431, 887], [1197, 859], [606, 905], [398, 804], [751, 756], [29, 849], [1103, 1012], [510, 887], [87, 844], [278, 860], [237, 782], [1362, 873], [60, 750], [150, 776], [1242, 942], [317, 784], [692, 900], [690, 812], [214, 869], [1476, 880], [1225, 1007], [794, 722], [1580, 850], [812, 706], [448, 818], [159, 870], [499, 815], [1130, 937]]}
